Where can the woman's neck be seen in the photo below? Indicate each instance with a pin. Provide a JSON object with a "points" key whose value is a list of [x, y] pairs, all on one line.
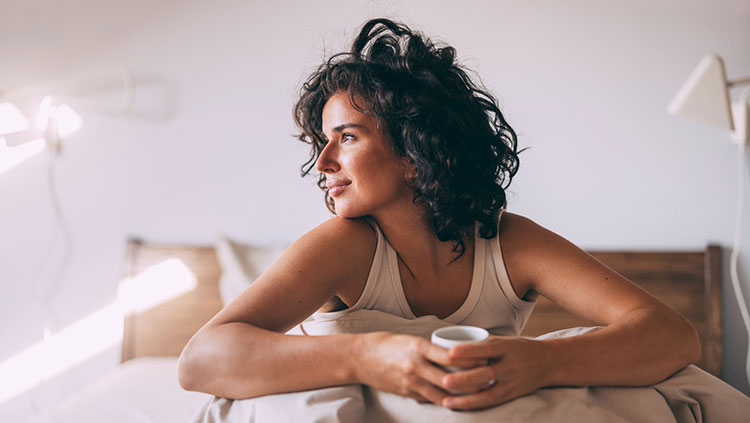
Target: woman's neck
{"points": [[411, 234]]}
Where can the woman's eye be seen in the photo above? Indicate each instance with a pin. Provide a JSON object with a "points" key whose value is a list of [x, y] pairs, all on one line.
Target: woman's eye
{"points": [[347, 137]]}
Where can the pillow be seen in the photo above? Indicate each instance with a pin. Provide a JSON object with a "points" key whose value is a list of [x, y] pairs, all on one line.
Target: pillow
{"points": [[241, 264]]}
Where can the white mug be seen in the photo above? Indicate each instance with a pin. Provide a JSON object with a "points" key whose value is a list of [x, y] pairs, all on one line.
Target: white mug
{"points": [[451, 336]]}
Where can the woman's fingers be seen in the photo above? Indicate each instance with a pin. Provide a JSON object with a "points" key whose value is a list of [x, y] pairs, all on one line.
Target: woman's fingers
{"points": [[513, 365], [482, 399], [435, 353], [471, 380], [430, 392], [485, 349], [418, 398], [431, 373], [443, 357], [497, 394]]}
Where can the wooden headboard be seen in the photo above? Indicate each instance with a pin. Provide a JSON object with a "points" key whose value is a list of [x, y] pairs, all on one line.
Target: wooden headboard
{"points": [[689, 281], [164, 329]]}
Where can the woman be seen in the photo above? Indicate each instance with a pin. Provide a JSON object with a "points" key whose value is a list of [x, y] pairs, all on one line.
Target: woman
{"points": [[414, 159]]}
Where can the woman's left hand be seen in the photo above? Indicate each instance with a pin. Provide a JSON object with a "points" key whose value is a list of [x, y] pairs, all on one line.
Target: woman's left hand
{"points": [[516, 367]]}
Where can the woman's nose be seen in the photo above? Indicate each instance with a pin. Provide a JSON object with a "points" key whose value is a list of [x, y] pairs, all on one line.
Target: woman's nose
{"points": [[327, 162]]}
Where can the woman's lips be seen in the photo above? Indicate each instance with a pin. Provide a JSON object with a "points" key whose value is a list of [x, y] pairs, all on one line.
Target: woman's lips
{"points": [[334, 189]]}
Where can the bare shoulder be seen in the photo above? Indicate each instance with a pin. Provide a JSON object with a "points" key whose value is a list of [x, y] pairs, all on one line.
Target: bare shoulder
{"points": [[517, 231], [346, 233], [345, 249], [345, 242], [515, 237], [522, 236], [529, 249], [332, 260]]}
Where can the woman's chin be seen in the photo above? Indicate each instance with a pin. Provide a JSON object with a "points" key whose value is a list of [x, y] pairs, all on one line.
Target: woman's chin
{"points": [[349, 215], [348, 212]]}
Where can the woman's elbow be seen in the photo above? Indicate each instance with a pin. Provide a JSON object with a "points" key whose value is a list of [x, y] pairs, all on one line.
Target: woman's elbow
{"points": [[693, 347], [685, 348], [184, 374], [680, 344], [187, 369]]}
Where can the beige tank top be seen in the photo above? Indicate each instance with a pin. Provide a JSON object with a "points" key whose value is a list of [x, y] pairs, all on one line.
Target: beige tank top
{"points": [[491, 304]]}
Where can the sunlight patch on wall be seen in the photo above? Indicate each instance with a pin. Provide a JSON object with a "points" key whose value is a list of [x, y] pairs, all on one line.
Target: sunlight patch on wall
{"points": [[12, 119], [155, 285], [10, 157]]}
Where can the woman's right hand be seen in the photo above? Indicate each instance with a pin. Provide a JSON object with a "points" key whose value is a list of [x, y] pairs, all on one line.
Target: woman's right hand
{"points": [[403, 365]]}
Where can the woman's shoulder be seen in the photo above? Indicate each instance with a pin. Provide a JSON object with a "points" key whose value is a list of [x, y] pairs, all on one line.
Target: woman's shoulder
{"points": [[349, 245], [526, 246], [341, 238], [521, 235], [345, 247], [345, 233], [533, 252], [519, 231]]}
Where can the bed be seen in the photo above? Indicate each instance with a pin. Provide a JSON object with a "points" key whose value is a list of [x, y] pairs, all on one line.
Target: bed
{"points": [[144, 388]]}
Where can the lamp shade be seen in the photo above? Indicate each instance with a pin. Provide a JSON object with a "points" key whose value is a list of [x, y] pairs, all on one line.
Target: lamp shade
{"points": [[704, 96]]}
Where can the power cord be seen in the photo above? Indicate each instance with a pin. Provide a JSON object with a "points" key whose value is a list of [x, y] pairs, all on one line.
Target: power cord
{"points": [[46, 297], [734, 259]]}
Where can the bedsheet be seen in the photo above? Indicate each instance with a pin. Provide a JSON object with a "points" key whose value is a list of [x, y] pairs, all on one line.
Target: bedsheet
{"points": [[691, 395], [142, 390]]}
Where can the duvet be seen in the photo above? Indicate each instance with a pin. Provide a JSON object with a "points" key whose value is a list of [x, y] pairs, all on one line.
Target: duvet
{"points": [[690, 395]]}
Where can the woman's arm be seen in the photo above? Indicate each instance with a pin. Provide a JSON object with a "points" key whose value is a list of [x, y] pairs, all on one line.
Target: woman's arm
{"points": [[643, 342], [238, 360], [243, 351], [643, 347]]}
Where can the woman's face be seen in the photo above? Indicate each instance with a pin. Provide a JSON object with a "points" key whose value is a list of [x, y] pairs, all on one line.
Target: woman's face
{"points": [[363, 174]]}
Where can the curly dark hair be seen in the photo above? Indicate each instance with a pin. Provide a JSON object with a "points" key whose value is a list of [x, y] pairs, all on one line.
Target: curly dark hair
{"points": [[451, 129]]}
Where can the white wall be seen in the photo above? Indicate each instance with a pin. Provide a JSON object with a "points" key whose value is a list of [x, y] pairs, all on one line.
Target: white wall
{"points": [[208, 149]]}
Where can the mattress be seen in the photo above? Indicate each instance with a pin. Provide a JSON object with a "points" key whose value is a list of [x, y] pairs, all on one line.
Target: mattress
{"points": [[142, 390]]}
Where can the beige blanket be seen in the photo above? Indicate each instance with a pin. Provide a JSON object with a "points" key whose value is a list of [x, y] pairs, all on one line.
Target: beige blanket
{"points": [[691, 395]]}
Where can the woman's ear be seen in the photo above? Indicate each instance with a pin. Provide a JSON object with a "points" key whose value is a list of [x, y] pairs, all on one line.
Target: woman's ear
{"points": [[411, 168]]}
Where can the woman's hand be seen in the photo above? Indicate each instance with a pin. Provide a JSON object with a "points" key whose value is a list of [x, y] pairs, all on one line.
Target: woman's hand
{"points": [[403, 364], [517, 366]]}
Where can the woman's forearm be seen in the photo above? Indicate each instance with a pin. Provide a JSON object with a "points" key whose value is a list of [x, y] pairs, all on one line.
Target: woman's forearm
{"points": [[644, 348], [238, 360]]}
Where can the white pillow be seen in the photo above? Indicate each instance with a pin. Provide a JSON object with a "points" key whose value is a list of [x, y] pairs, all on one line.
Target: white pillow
{"points": [[241, 264]]}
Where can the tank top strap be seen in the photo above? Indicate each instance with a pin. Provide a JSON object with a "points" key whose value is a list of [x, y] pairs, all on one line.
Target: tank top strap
{"points": [[379, 259]]}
